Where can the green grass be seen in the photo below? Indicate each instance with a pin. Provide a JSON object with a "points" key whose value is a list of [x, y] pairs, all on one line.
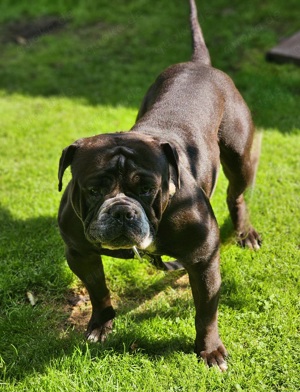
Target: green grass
{"points": [[89, 78]]}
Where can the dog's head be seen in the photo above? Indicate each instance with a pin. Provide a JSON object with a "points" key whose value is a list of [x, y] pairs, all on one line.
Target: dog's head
{"points": [[121, 184]]}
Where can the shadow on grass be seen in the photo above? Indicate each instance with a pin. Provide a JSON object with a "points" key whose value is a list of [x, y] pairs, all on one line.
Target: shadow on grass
{"points": [[227, 234], [110, 64], [87, 63], [31, 260], [32, 257]]}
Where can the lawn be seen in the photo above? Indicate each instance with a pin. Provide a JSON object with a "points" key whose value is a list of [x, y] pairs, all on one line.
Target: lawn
{"points": [[88, 76]]}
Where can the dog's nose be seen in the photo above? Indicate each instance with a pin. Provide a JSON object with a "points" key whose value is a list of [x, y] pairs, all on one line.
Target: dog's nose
{"points": [[123, 213]]}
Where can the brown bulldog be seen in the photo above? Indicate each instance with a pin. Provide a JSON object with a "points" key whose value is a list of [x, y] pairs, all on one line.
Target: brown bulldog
{"points": [[147, 191]]}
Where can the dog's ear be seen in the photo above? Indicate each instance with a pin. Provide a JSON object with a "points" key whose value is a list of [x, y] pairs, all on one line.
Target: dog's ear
{"points": [[173, 159], [66, 160]]}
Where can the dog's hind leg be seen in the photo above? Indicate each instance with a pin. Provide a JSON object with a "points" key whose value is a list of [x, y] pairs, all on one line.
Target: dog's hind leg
{"points": [[239, 162]]}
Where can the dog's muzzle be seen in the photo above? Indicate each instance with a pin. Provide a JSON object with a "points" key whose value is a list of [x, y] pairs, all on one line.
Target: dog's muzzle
{"points": [[120, 223]]}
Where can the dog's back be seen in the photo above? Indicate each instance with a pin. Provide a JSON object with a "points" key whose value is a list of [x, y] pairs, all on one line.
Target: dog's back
{"points": [[198, 109]]}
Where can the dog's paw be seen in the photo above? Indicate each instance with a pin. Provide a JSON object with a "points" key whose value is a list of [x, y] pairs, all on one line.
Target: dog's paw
{"points": [[99, 334], [214, 357], [250, 239]]}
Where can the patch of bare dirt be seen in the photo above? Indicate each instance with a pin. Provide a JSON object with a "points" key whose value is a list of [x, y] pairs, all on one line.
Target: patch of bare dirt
{"points": [[25, 31], [79, 307]]}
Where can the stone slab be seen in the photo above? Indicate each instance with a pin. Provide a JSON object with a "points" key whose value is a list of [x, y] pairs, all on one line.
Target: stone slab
{"points": [[288, 51]]}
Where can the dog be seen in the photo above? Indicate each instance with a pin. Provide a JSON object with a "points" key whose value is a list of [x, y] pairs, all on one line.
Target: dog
{"points": [[147, 191]]}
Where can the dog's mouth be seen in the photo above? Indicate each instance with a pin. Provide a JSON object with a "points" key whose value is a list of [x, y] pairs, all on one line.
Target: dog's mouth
{"points": [[119, 236], [121, 242], [120, 224]]}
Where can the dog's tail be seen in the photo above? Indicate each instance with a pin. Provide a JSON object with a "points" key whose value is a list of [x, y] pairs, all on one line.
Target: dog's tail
{"points": [[200, 51]]}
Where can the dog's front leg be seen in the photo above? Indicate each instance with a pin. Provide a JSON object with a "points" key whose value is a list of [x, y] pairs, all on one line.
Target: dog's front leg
{"points": [[205, 282], [89, 269]]}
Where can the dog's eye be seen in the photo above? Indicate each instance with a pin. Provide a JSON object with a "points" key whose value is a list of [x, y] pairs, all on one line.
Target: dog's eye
{"points": [[94, 192], [146, 191]]}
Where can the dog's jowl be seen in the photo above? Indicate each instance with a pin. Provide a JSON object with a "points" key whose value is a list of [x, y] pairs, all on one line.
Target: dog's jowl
{"points": [[148, 190]]}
